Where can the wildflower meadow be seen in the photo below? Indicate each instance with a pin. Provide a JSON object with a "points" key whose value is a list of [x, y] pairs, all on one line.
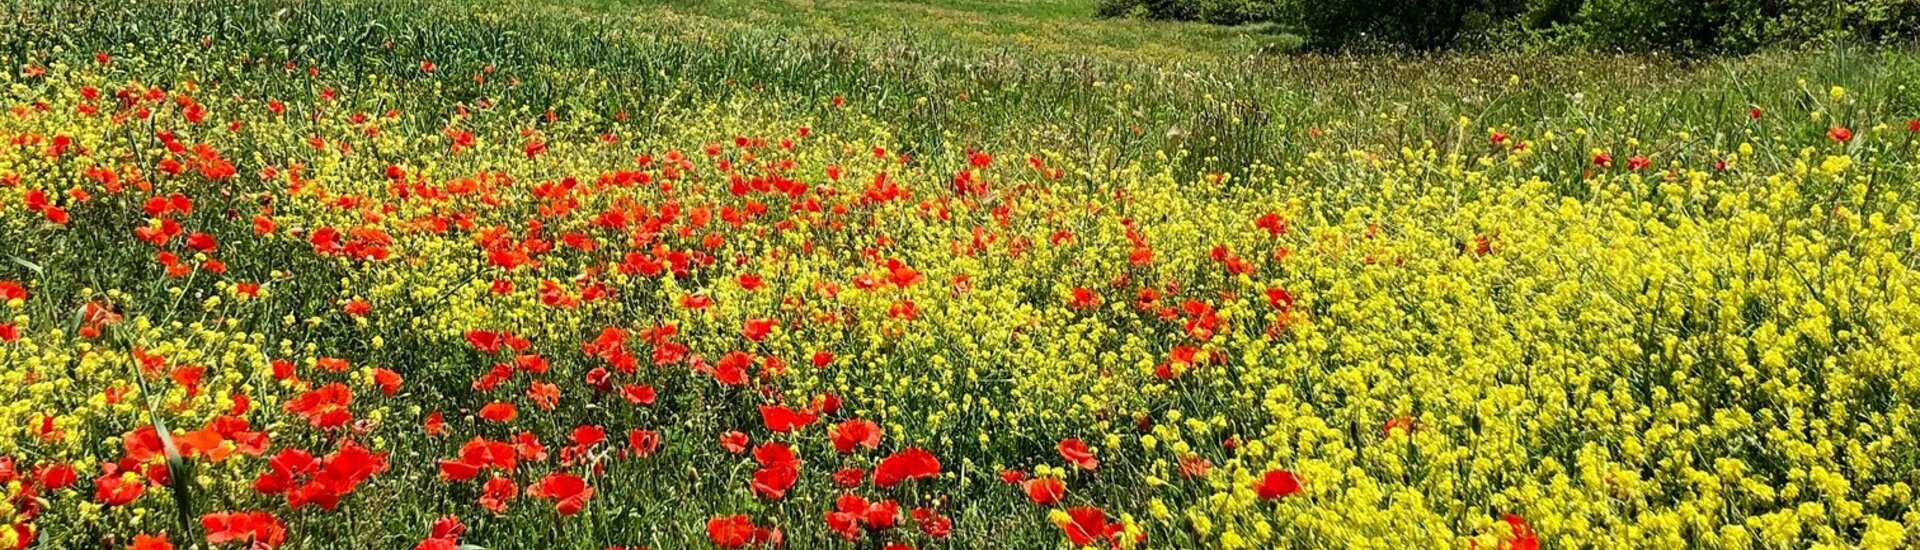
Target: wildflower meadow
{"points": [[590, 275]]}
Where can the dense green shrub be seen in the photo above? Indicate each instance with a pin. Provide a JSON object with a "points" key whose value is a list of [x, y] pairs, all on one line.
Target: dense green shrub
{"points": [[1414, 24], [1733, 26], [1680, 26], [1219, 12]]}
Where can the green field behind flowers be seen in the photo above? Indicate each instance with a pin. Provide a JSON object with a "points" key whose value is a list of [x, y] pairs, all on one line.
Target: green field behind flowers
{"points": [[592, 274]]}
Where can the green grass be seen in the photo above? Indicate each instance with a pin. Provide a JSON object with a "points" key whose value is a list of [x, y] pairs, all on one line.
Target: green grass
{"points": [[1057, 27], [943, 84]]}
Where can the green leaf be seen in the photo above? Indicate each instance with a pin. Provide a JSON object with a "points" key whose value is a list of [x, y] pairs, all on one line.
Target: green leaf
{"points": [[177, 471], [37, 270]]}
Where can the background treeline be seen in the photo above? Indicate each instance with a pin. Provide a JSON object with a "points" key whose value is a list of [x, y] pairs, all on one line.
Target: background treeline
{"points": [[1679, 26]]}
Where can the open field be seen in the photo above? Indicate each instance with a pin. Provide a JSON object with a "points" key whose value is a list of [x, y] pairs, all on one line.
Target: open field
{"points": [[584, 274], [1056, 27]]}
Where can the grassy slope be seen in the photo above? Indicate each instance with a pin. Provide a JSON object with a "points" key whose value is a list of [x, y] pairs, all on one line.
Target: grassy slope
{"points": [[1050, 26]]}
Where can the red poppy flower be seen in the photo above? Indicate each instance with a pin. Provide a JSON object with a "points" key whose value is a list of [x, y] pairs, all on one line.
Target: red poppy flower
{"points": [[224, 435], [849, 477], [150, 542], [1638, 163], [486, 341], [49, 432], [10, 290], [388, 381], [497, 493], [758, 329], [258, 529], [1086, 524], [638, 394], [570, 492], [435, 424], [142, 444], [979, 159], [284, 469], [846, 523], [1193, 465], [933, 524], [1277, 484], [907, 464], [773, 366], [307, 480], [499, 374], [851, 513], [1084, 298], [588, 435], [59, 476], [1077, 453], [733, 531], [732, 368], [856, 432], [1402, 422], [737, 531], [734, 442], [1279, 298], [779, 470], [528, 447], [324, 407], [115, 489], [1523, 536], [643, 443], [782, 419], [477, 455], [826, 403], [1840, 134], [1045, 491], [531, 363], [202, 242], [448, 527], [881, 515], [546, 395], [750, 282], [499, 411]]}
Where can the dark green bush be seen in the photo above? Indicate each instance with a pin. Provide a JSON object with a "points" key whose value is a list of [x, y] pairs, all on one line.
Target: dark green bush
{"points": [[1219, 12], [1687, 27], [1236, 12], [1412, 24], [1736, 26]]}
